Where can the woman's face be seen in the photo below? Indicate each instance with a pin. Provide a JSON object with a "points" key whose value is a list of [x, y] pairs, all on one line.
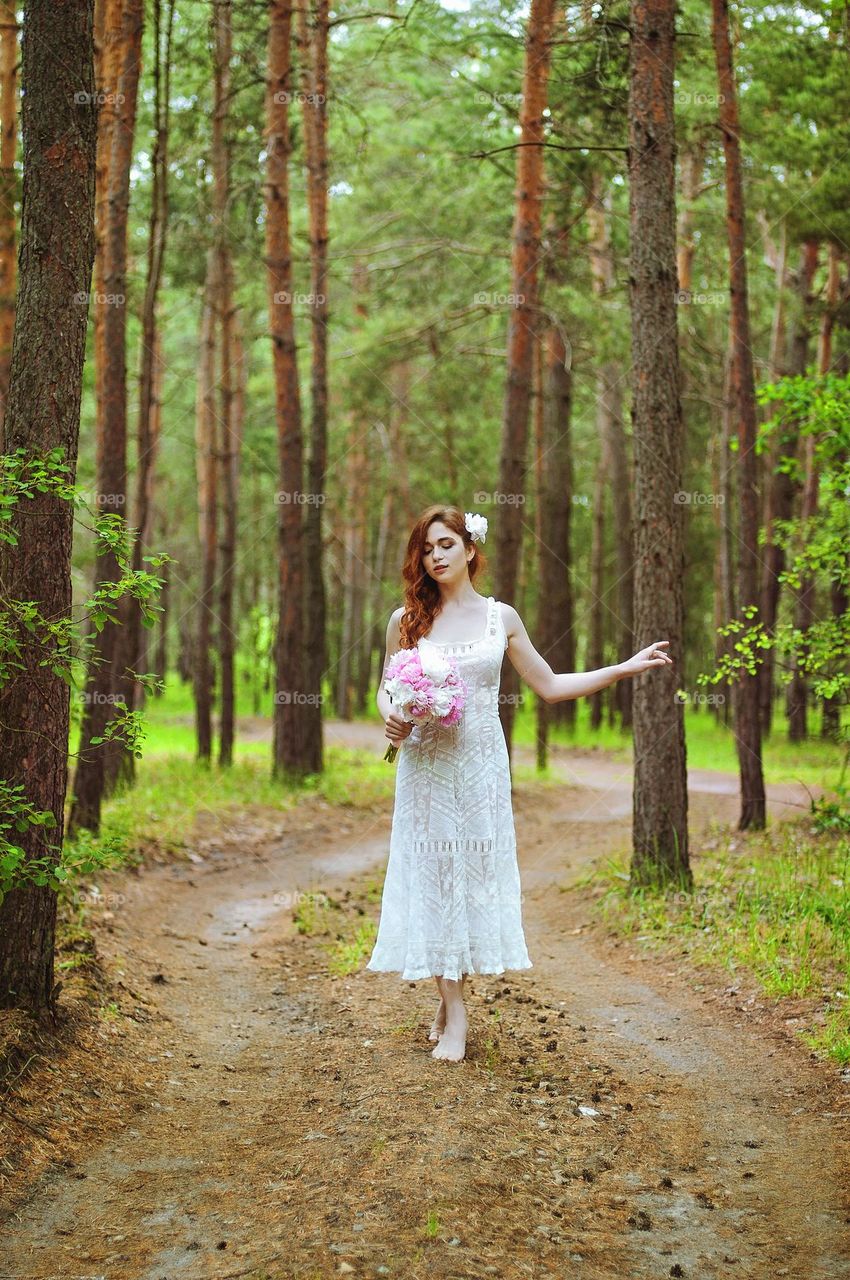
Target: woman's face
{"points": [[444, 554]]}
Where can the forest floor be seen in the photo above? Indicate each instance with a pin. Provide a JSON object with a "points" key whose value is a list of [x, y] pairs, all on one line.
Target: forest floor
{"points": [[241, 1110]]}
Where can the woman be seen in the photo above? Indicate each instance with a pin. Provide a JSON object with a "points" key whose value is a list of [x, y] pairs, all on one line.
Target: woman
{"points": [[451, 898]]}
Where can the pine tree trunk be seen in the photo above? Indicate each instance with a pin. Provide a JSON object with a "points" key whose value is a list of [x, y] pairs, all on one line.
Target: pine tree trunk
{"points": [[691, 167], [723, 476], [160, 665], [805, 597], [746, 691], [522, 324], [104, 697], [313, 40], [227, 449], [207, 474], [609, 401], [556, 632], [781, 485], [596, 639], [288, 751], [660, 827], [132, 646], [59, 136], [8, 192]]}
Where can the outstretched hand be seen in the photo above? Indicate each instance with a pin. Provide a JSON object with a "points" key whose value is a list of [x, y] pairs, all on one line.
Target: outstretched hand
{"points": [[652, 656]]}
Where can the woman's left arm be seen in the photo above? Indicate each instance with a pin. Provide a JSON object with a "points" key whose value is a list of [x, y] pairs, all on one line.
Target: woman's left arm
{"points": [[559, 687]]}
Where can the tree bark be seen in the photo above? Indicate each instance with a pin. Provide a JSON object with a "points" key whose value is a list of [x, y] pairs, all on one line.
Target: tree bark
{"points": [[207, 474], [103, 697], [805, 597], [723, 477], [691, 166], [289, 746], [660, 803], [609, 399], [227, 447], [313, 40], [596, 639], [355, 528], [781, 485], [522, 324], [59, 133], [132, 640], [746, 690], [8, 192]]}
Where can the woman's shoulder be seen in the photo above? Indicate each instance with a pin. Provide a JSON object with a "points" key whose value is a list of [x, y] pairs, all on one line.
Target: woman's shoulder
{"points": [[510, 618]]}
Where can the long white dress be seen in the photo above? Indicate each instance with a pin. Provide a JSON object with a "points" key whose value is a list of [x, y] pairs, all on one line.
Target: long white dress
{"points": [[451, 902]]}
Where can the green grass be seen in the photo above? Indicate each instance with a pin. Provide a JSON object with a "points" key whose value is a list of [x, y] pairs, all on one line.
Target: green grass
{"points": [[351, 938], [774, 905], [816, 762], [172, 791], [170, 732]]}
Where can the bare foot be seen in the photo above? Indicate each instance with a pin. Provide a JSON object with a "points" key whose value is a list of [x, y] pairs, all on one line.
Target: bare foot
{"points": [[439, 1024], [451, 1046]]}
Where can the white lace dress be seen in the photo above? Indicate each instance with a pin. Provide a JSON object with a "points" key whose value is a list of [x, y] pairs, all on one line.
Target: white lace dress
{"points": [[452, 897]]}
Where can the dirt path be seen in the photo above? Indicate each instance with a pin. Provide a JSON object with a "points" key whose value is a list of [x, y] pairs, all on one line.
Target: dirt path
{"points": [[615, 1117]]}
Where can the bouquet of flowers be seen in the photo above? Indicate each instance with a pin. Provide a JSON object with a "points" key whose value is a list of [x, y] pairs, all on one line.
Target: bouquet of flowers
{"points": [[425, 687]]}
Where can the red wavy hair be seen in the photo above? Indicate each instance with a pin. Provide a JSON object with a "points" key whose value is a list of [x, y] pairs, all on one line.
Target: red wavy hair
{"points": [[421, 594]]}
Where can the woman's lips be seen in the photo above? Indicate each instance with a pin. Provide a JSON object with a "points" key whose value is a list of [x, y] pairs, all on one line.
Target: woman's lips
{"points": [[439, 568]]}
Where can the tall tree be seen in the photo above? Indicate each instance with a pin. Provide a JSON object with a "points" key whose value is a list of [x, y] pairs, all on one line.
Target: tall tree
{"points": [[746, 690], [288, 746], [131, 645], [780, 482], [207, 477], [523, 319], [355, 526], [227, 445], [554, 485], [101, 692], [59, 134], [609, 382], [596, 633], [8, 186], [313, 24], [805, 597], [660, 826]]}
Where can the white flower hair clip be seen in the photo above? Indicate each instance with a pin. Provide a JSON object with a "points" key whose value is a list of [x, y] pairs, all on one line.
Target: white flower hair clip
{"points": [[476, 526]]}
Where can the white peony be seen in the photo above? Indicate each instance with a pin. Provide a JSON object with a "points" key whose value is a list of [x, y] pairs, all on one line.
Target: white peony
{"points": [[434, 665], [476, 526]]}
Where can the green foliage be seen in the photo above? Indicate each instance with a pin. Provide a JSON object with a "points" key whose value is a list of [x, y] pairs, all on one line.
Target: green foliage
{"points": [[59, 644], [59, 865], [818, 406]]}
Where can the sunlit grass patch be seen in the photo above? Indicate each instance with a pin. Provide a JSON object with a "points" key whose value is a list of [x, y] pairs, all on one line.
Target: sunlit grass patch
{"points": [[773, 904]]}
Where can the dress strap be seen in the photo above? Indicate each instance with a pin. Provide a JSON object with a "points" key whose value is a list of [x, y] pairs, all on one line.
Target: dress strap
{"points": [[491, 615]]}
